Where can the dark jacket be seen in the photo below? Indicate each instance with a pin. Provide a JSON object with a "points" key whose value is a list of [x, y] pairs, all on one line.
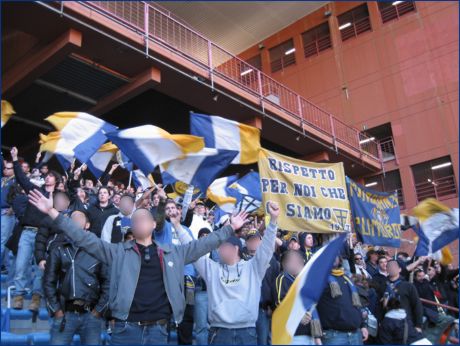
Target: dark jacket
{"points": [[32, 216], [45, 235], [410, 301], [98, 216], [282, 284], [70, 274], [125, 264], [339, 313], [379, 282], [391, 330]]}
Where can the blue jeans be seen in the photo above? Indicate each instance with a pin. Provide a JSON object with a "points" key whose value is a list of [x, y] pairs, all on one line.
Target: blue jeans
{"points": [[201, 317], [7, 223], [88, 326], [24, 259], [263, 328], [130, 333], [335, 337], [238, 336]]}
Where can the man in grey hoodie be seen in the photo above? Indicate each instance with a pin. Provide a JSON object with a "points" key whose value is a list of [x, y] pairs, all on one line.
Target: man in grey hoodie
{"points": [[146, 279], [234, 286]]}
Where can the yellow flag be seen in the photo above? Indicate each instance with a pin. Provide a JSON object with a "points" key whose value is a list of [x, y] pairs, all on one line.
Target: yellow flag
{"points": [[7, 112]]}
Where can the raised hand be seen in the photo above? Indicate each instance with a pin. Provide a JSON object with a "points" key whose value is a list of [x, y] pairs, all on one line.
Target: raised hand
{"points": [[42, 203], [114, 167], [238, 220], [274, 210], [14, 153]]}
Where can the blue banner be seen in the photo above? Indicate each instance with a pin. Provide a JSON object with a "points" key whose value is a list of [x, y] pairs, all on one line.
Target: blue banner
{"points": [[376, 215]]}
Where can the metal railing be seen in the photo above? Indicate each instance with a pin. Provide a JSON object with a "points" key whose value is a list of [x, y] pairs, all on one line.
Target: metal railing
{"points": [[387, 147], [441, 189], [159, 27]]}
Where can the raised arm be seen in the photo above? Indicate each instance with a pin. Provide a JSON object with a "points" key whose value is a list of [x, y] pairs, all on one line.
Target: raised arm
{"points": [[197, 248], [265, 251], [96, 247], [19, 174]]}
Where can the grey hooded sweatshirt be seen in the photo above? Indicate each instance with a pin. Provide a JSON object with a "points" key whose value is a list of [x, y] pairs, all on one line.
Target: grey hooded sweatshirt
{"points": [[234, 291]]}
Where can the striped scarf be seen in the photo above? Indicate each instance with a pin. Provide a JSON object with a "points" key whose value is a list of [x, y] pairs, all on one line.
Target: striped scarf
{"points": [[335, 287]]}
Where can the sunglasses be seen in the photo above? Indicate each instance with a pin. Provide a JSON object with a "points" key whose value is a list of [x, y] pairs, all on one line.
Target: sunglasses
{"points": [[358, 258]]}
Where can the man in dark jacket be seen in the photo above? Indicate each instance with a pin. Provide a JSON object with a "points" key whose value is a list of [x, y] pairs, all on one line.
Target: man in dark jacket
{"points": [[405, 292], [253, 241], [76, 287], [46, 233], [29, 226], [147, 285], [99, 212], [293, 262]]}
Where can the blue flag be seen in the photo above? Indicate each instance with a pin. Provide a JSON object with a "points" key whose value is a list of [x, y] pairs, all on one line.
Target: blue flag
{"points": [[376, 215]]}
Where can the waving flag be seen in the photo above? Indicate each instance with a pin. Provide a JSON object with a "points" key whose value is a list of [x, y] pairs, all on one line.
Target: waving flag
{"points": [[438, 226], [148, 146], [197, 169], [7, 112], [100, 160], [227, 134], [82, 130], [54, 144], [140, 179], [247, 192], [217, 192], [124, 161], [305, 292]]}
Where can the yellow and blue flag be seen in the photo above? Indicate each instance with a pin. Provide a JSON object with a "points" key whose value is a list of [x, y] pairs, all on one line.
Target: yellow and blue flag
{"points": [[148, 146], [438, 227], [7, 112], [217, 192], [305, 292], [197, 169], [98, 163], [54, 144], [221, 133], [84, 132]]}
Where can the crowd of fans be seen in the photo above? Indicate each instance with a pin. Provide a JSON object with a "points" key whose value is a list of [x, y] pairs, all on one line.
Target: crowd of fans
{"points": [[107, 256]]}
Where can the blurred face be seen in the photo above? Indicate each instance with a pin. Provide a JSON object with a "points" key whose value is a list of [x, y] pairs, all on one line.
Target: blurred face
{"points": [[200, 209], [309, 240], [383, 264], [431, 273], [89, 184], [116, 199], [228, 253], [142, 224], [145, 203], [81, 194], [393, 269], [25, 167], [110, 183], [373, 258], [50, 180], [80, 219], [8, 170], [60, 187], [420, 276], [253, 243], [44, 170], [171, 209], [155, 200], [126, 205], [358, 259], [61, 202], [211, 218], [103, 195], [293, 245], [294, 263]]}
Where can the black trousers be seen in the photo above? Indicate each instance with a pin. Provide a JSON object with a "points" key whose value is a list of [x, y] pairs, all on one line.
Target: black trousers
{"points": [[185, 329]]}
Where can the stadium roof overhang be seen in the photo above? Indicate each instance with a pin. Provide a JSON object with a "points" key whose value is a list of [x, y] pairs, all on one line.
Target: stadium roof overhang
{"points": [[82, 61]]}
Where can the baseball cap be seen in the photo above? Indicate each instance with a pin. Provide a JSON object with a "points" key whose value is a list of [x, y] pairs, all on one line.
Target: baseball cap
{"points": [[294, 237], [235, 241]]}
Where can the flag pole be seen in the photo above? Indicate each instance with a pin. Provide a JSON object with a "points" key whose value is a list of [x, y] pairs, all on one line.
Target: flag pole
{"points": [[130, 178]]}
